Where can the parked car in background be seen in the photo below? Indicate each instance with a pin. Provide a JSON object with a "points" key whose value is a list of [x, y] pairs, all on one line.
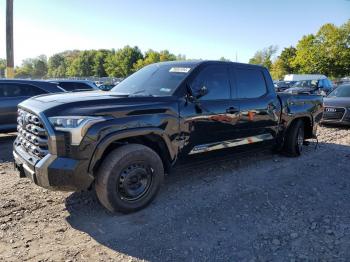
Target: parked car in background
{"points": [[342, 81], [76, 85], [12, 92], [280, 86], [311, 84], [123, 141], [337, 106]]}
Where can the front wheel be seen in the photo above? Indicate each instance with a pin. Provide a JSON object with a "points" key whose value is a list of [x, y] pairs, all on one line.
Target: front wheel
{"points": [[294, 141], [129, 178]]}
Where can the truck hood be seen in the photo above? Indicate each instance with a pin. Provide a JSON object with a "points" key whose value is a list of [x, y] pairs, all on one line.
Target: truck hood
{"points": [[337, 101], [94, 103]]}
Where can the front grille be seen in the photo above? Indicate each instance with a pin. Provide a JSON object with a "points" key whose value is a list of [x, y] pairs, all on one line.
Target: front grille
{"points": [[32, 136], [333, 113]]}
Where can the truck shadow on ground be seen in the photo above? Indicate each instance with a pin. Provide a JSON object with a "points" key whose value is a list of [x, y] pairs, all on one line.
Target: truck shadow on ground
{"points": [[232, 208]]}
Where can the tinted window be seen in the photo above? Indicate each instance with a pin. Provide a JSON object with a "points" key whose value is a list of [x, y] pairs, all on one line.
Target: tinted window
{"points": [[215, 79], [19, 90], [70, 86], [250, 83]]}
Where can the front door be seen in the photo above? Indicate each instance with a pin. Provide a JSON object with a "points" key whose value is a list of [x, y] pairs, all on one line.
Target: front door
{"points": [[210, 121]]}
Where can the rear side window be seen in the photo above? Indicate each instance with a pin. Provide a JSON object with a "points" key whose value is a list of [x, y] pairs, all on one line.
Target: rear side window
{"points": [[215, 79], [19, 90], [250, 83], [70, 86]]}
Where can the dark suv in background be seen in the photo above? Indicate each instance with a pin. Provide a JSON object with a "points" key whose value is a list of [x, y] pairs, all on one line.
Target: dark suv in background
{"points": [[76, 85], [12, 92]]}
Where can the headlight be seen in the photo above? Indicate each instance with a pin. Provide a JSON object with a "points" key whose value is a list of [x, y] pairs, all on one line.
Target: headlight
{"points": [[77, 126]]}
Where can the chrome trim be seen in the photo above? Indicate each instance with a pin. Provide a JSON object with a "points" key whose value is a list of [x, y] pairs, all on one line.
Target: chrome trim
{"points": [[230, 143], [32, 136], [24, 164]]}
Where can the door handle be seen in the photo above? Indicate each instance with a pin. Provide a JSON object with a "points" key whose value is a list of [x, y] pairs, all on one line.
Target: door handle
{"points": [[232, 110]]}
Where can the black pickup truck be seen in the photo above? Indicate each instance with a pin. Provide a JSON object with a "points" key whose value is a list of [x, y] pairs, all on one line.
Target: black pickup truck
{"points": [[121, 143]]}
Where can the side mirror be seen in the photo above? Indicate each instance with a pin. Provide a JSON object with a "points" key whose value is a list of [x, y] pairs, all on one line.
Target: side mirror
{"points": [[202, 92]]}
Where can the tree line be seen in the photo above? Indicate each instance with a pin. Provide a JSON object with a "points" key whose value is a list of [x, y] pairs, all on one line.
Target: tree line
{"points": [[326, 52], [98, 63]]}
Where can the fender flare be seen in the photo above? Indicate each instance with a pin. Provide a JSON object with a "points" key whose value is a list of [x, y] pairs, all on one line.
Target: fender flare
{"points": [[118, 135]]}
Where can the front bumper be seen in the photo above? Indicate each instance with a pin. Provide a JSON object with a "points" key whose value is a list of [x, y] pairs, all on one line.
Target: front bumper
{"points": [[53, 172], [343, 120]]}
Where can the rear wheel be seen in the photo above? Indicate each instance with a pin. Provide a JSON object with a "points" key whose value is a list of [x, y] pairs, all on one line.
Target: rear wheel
{"points": [[294, 141], [129, 178]]}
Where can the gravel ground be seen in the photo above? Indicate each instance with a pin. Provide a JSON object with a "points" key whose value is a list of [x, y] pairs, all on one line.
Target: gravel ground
{"points": [[241, 207]]}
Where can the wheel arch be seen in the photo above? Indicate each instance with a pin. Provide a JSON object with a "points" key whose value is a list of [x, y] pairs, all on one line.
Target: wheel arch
{"points": [[308, 125], [155, 139]]}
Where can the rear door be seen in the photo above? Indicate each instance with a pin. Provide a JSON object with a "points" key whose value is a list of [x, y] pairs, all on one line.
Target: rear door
{"points": [[258, 103], [11, 94]]}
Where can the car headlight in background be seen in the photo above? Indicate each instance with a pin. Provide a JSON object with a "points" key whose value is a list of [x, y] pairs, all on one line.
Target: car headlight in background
{"points": [[77, 126]]}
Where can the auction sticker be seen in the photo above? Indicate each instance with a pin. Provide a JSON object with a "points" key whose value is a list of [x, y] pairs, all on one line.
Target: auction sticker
{"points": [[179, 69]]}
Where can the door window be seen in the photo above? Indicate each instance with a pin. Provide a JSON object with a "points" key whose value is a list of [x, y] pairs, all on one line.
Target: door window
{"points": [[19, 90], [215, 79], [250, 83]]}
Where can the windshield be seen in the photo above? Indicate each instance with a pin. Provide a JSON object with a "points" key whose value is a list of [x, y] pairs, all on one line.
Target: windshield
{"points": [[306, 83], [341, 91], [154, 80]]}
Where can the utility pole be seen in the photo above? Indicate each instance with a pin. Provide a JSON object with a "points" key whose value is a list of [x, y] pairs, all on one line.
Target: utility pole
{"points": [[9, 39]]}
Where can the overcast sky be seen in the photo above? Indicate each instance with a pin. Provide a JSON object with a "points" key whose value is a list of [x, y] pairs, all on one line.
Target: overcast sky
{"points": [[198, 29]]}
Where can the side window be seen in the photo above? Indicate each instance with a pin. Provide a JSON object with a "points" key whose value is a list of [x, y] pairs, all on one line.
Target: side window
{"points": [[33, 90], [215, 79], [66, 86], [250, 83], [2, 90], [82, 86], [19, 90]]}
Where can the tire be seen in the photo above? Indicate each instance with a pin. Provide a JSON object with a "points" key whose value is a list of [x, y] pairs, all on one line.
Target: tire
{"points": [[129, 178], [293, 145]]}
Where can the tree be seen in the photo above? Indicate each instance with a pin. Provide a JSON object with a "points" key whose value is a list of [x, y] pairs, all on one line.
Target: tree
{"points": [[121, 64], [152, 56], [2, 63], [40, 67], [286, 57], [278, 70], [224, 59], [99, 63], [82, 65], [264, 57], [57, 66], [2, 67], [25, 70], [327, 52]]}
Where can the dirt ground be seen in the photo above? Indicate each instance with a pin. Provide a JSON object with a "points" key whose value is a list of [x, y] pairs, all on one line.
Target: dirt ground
{"points": [[241, 207]]}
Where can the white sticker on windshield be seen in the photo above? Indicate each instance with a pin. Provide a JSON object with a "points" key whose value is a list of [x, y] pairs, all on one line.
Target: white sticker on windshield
{"points": [[165, 89], [180, 70]]}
